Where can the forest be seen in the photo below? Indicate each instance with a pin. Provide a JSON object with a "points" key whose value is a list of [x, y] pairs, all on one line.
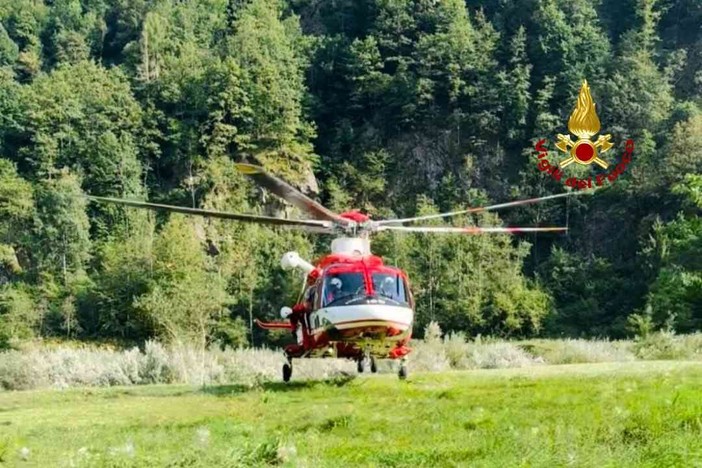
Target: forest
{"points": [[393, 107]]}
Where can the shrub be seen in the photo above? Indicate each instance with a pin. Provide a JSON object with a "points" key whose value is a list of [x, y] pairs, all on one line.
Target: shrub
{"points": [[692, 345], [456, 350], [666, 345], [70, 365], [430, 355], [497, 356], [156, 366], [571, 351]]}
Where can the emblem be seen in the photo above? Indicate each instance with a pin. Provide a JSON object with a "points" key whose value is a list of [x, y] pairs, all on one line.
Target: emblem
{"points": [[584, 123]]}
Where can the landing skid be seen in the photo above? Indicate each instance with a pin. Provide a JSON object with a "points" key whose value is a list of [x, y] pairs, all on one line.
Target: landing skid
{"points": [[403, 372], [362, 363], [366, 361], [287, 369]]}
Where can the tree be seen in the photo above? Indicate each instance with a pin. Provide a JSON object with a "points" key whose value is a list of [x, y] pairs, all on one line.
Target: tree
{"points": [[83, 117], [61, 240], [516, 83], [184, 294], [9, 51], [153, 46], [398, 106], [683, 153], [270, 53], [469, 283], [638, 95], [585, 291], [24, 22], [16, 211], [10, 109], [19, 317], [568, 44], [676, 294], [126, 263], [73, 32], [59, 250]]}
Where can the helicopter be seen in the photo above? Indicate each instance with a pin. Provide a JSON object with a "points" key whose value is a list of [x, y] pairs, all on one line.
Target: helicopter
{"points": [[352, 305]]}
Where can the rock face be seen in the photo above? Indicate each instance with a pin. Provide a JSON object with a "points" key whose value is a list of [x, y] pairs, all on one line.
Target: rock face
{"points": [[306, 183], [309, 184]]}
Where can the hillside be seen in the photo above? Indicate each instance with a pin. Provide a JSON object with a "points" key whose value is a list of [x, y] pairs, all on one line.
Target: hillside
{"points": [[396, 108]]}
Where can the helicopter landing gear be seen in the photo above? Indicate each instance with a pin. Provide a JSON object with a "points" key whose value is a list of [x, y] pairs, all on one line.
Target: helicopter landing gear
{"points": [[402, 374], [360, 365], [287, 370], [366, 361]]}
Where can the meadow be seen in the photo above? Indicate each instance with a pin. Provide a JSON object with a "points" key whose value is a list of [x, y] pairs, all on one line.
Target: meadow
{"points": [[642, 413]]}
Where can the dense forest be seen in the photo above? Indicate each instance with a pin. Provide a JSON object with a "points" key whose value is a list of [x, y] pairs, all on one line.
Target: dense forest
{"points": [[394, 107]]}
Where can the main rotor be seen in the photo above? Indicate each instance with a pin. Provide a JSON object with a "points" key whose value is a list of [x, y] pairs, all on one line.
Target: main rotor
{"points": [[351, 224]]}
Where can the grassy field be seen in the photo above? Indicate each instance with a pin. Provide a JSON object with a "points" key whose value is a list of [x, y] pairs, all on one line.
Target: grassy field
{"points": [[613, 414]]}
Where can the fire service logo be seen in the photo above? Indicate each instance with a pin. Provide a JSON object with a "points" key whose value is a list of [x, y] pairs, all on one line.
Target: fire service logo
{"points": [[584, 124]]}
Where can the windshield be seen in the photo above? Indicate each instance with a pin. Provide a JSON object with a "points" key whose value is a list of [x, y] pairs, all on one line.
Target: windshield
{"points": [[342, 285], [389, 285]]}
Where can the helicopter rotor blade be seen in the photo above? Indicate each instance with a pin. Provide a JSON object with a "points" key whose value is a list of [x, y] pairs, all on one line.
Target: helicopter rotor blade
{"points": [[479, 209], [290, 194], [471, 229], [309, 225]]}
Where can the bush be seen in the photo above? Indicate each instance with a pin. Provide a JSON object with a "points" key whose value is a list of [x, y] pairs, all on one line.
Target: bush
{"points": [[430, 355], [70, 365], [453, 352], [571, 351], [456, 350], [666, 345], [497, 356], [692, 344], [156, 366], [66, 366]]}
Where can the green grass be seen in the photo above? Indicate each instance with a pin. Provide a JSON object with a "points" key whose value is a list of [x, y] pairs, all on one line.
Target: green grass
{"points": [[613, 414]]}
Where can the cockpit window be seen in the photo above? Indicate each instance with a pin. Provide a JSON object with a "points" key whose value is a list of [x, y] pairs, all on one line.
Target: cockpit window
{"points": [[342, 285], [309, 295], [390, 285]]}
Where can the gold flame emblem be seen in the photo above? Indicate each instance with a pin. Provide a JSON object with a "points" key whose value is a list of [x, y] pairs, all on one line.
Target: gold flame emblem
{"points": [[584, 123]]}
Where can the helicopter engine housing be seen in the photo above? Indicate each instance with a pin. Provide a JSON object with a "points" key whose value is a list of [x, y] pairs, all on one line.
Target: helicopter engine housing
{"points": [[292, 260], [356, 246]]}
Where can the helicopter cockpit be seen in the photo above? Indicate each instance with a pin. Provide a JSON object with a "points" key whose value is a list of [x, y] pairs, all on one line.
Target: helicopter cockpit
{"points": [[342, 287], [389, 285], [339, 287]]}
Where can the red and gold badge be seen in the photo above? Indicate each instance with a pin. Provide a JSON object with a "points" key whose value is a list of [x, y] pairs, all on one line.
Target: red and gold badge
{"points": [[584, 123]]}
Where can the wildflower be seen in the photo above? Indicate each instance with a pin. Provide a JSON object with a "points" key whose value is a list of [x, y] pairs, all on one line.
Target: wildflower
{"points": [[202, 435], [286, 453]]}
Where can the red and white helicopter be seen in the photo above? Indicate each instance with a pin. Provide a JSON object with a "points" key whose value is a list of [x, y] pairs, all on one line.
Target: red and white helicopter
{"points": [[352, 305]]}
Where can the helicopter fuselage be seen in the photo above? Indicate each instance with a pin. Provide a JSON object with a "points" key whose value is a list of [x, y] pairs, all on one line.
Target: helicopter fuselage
{"points": [[358, 301], [352, 306]]}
